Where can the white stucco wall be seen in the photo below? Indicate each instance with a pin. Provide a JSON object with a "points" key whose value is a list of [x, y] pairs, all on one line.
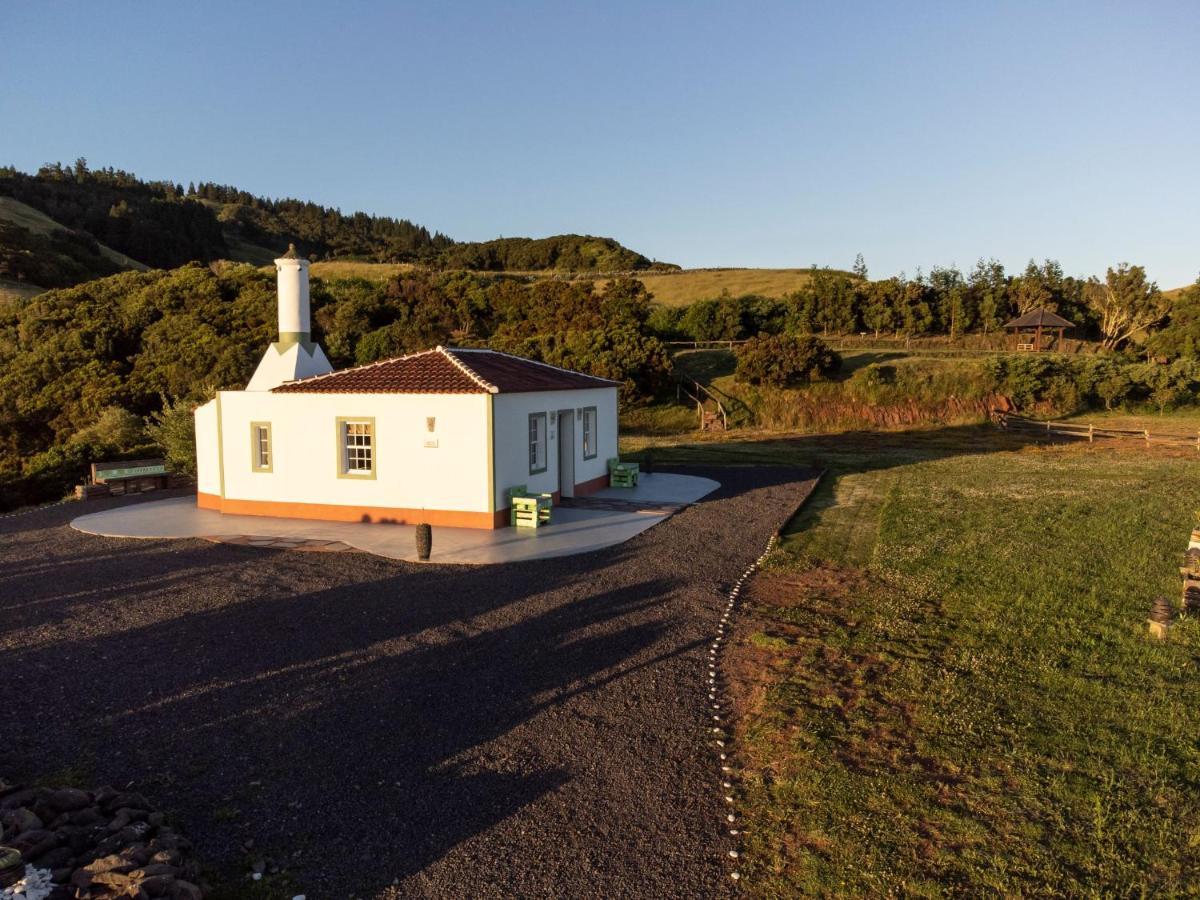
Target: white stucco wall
{"points": [[511, 428], [408, 474], [208, 471]]}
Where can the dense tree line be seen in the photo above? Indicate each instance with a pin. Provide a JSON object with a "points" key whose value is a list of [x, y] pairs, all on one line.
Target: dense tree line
{"points": [[1064, 384], [1123, 307], [81, 368], [150, 221], [564, 253], [164, 225], [318, 231]]}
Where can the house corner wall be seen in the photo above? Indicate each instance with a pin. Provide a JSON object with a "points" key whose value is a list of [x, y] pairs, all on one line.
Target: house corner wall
{"points": [[511, 441], [208, 448]]}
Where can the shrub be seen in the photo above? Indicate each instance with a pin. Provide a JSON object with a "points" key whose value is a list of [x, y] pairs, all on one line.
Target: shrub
{"points": [[781, 360], [870, 382], [174, 430]]}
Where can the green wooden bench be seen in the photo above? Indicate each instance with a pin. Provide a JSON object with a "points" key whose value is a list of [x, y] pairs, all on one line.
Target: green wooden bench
{"points": [[528, 510], [622, 474]]}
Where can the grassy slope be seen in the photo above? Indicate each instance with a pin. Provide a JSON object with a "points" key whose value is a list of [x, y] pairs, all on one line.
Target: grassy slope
{"points": [[682, 288], [350, 269], [926, 387], [945, 677], [38, 222], [18, 290], [27, 217]]}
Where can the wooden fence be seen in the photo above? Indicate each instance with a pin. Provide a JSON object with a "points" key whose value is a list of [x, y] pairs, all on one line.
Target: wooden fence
{"points": [[704, 345], [1091, 433]]}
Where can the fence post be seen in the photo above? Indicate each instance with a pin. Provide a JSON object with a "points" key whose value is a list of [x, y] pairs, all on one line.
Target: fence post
{"points": [[1091, 431], [1147, 433]]}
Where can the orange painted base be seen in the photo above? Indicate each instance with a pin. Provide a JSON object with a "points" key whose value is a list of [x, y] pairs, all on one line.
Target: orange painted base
{"points": [[591, 486], [330, 512], [445, 518]]}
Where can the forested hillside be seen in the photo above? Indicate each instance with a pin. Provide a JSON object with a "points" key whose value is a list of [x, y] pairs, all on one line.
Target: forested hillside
{"points": [[80, 368], [164, 225]]}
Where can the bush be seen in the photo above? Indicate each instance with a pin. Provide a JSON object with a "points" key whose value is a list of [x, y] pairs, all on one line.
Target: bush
{"points": [[1063, 385], [174, 430], [784, 360]]}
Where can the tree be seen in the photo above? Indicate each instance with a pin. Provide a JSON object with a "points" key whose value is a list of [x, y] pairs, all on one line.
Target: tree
{"points": [[1038, 286], [951, 300], [988, 286], [781, 360], [878, 301], [1180, 335], [915, 313], [860, 268], [174, 430], [1125, 303]]}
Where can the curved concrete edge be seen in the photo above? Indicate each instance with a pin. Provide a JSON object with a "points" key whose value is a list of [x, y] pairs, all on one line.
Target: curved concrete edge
{"points": [[572, 531]]}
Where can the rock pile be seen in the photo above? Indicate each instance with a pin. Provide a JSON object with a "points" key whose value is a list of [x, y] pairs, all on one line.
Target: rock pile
{"points": [[94, 844]]}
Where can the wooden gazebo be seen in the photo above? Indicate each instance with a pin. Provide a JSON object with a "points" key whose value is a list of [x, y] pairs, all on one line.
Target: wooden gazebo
{"points": [[1039, 329]]}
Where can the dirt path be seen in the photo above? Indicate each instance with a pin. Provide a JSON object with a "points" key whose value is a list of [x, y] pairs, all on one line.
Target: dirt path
{"points": [[388, 729]]}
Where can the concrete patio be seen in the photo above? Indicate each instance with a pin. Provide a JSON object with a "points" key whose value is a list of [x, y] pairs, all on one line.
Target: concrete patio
{"points": [[572, 530]]}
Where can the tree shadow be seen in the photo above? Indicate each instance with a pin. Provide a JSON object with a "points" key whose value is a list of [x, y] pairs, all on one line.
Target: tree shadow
{"points": [[357, 717]]}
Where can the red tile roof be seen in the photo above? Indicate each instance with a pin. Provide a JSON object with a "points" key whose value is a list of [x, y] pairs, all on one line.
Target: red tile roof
{"points": [[447, 370]]}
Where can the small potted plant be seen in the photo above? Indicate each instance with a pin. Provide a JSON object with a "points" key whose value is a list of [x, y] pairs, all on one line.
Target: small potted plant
{"points": [[424, 541]]}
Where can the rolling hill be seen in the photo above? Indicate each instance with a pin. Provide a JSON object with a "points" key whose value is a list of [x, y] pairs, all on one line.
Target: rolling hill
{"points": [[38, 253], [67, 224]]}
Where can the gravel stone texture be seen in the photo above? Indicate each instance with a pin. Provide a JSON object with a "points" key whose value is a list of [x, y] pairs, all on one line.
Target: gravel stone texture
{"points": [[385, 729]]}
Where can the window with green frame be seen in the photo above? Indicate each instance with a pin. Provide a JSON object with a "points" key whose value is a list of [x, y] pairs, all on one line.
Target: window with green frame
{"points": [[537, 443], [589, 432], [260, 447], [356, 447]]}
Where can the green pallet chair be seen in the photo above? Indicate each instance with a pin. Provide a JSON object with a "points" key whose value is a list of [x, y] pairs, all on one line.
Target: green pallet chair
{"points": [[528, 510], [621, 474]]}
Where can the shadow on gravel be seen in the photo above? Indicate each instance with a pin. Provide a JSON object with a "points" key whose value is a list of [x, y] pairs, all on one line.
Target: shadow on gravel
{"points": [[358, 718], [333, 721]]}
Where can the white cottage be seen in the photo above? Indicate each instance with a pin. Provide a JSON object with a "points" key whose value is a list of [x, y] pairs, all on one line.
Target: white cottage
{"points": [[438, 436]]}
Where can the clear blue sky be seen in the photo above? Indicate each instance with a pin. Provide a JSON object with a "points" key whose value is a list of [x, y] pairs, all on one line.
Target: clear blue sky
{"points": [[723, 134]]}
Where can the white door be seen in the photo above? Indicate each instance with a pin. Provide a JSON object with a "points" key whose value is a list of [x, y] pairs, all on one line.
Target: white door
{"points": [[566, 452]]}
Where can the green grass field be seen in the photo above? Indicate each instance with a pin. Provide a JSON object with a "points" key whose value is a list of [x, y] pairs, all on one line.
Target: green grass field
{"points": [[944, 677], [351, 269], [690, 285]]}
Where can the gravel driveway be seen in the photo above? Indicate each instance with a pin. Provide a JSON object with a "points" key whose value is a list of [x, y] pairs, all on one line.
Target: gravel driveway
{"points": [[386, 729]]}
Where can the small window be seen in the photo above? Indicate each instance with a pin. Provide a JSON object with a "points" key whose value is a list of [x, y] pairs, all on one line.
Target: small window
{"points": [[260, 446], [356, 448], [589, 433], [537, 443]]}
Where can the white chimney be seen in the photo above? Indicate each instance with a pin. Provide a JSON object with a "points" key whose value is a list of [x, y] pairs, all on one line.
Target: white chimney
{"points": [[292, 279], [293, 355]]}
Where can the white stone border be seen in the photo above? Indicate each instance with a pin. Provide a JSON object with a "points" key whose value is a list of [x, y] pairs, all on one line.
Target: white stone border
{"points": [[718, 704], [33, 509]]}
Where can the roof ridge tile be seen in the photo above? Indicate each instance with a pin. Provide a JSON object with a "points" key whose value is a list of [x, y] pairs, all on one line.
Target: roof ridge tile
{"points": [[449, 353]]}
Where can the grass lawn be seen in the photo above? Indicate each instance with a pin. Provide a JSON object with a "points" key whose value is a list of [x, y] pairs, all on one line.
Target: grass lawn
{"points": [[944, 679], [1182, 422], [690, 285], [351, 269]]}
